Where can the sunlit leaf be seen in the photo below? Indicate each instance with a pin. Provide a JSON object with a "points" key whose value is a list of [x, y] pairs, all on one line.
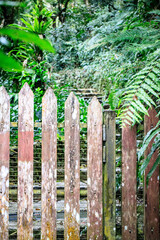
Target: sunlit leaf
{"points": [[9, 64], [28, 37]]}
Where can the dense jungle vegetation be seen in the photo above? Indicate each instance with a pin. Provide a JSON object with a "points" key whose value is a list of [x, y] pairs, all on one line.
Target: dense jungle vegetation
{"points": [[111, 45]]}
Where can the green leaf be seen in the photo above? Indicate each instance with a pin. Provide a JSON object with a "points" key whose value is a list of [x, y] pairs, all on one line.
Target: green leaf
{"points": [[46, 24], [156, 70], [126, 122], [128, 96], [136, 106], [36, 25], [131, 113], [145, 97], [151, 83], [152, 75], [150, 89], [143, 109], [145, 164], [27, 37], [151, 135], [9, 64], [152, 131], [135, 112], [155, 165], [27, 24]]}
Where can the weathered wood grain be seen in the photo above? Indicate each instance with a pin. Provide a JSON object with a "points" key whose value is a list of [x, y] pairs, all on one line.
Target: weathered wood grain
{"points": [[109, 176], [39, 124], [72, 169], [49, 165], [25, 164], [94, 167], [129, 183], [151, 193], [4, 162]]}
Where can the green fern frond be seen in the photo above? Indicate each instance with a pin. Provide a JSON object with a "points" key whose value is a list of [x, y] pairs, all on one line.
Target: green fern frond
{"points": [[141, 92], [153, 133], [148, 138]]}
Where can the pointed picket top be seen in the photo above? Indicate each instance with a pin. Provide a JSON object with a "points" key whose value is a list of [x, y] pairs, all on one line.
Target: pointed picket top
{"points": [[71, 99], [4, 110], [26, 106], [49, 109], [94, 111], [94, 102], [4, 92], [95, 108], [49, 93], [72, 110], [71, 95], [26, 89]]}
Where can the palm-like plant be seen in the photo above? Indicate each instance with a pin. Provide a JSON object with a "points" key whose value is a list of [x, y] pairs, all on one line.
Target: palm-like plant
{"points": [[38, 21]]}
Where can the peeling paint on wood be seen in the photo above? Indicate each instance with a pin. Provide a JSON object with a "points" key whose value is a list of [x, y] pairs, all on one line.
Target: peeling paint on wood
{"points": [[4, 162], [25, 164], [94, 176], [49, 165], [151, 193], [72, 169], [109, 178], [129, 183]]}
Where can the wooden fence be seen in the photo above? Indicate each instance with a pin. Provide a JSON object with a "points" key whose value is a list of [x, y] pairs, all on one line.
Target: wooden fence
{"points": [[101, 194]]}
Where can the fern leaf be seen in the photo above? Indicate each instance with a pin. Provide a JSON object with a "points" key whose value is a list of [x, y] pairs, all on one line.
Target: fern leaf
{"points": [[150, 135], [155, 165], [136, 106], [150, 89], [141, 91], [132, 114], [154, 85], [145, 97]]}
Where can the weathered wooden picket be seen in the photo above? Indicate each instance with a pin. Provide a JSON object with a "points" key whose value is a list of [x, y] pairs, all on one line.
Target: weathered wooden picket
{"points": [[101, 193]]}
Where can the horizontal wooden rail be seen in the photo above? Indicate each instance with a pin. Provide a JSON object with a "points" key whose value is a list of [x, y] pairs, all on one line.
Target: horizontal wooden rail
{"points": [[60, 192], [39, 124], [61, 125]]}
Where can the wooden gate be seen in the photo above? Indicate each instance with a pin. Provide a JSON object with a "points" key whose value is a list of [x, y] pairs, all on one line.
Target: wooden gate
{"points": [[101, 194]]}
